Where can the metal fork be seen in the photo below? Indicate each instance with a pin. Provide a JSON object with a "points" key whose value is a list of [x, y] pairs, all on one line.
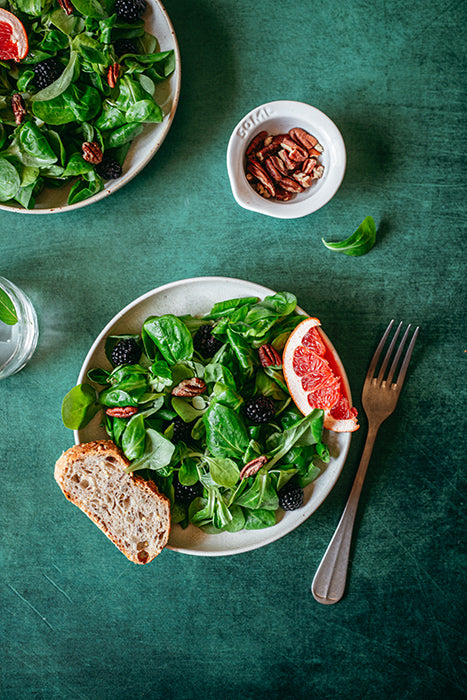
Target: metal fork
{"points": [[379, 399]]}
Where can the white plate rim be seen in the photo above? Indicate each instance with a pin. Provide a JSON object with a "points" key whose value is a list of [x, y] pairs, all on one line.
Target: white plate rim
{"points": [[295, 518], [114, 185]]}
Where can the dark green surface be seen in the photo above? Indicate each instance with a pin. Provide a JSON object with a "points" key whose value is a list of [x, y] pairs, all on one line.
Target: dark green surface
{"points": [[78, 620]]}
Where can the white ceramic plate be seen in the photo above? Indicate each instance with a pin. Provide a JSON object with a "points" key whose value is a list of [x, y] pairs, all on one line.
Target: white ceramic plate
{"points": [[196, 296], [144, 147], [277, 118]]}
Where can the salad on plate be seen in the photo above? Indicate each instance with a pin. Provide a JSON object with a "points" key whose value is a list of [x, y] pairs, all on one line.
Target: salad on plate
{"points": [[200, 405], [77, 84]]}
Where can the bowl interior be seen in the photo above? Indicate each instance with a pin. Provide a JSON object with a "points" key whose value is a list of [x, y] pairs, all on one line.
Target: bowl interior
{"points": [[281, 124]]}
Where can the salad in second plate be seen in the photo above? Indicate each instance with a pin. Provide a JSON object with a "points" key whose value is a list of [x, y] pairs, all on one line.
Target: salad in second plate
{"points": [[72, 105], [200, 406]]}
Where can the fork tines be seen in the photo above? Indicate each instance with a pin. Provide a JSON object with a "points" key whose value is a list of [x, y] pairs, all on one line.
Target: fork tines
{"points": [[405, 362]]}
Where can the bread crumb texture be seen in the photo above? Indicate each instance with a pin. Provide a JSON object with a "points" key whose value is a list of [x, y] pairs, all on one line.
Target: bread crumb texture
{"points": [[129, 510]]}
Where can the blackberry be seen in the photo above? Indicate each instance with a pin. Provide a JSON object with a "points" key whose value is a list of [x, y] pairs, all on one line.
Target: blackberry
{"points": [[182, 430], [130, 10], [109, 168], [46, 72], [205, 342], [186, 494], [126, 352], [291, 497], [122, 46], [259, 409]]}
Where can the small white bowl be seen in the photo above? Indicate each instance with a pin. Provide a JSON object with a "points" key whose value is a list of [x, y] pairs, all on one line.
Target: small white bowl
{"points": [[277, 118]]}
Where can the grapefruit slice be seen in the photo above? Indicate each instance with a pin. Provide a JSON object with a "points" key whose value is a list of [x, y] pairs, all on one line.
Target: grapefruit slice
{"points": [[314, 379], [13, 37]]}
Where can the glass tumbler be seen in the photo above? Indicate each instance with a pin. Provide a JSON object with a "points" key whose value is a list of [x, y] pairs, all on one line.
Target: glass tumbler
{"points": [[17, 342]]}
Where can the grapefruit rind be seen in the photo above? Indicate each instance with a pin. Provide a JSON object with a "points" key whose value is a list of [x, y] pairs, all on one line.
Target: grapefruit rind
{"points": [[295, 383], [16, 40]]}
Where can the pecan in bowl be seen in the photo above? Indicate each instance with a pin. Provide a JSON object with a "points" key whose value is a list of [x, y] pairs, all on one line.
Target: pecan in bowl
{"points": [[283, 165]]}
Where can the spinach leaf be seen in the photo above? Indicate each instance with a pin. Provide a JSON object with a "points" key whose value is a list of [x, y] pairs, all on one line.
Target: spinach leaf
{"points": [[221, 516], [238, 519], [31, 146], [98, 375], [171, 337], [257, 519], [157, 454], [70, 25], [144, 111], [134, 437], [307, 431], [226, 435], [89, 8], [185, 409], [359, 242], [188, 473], [223, 471], [9, 180], [225, 308], [124, 134], [79, 406], [77, 166], [261, 494], [85, 188]]}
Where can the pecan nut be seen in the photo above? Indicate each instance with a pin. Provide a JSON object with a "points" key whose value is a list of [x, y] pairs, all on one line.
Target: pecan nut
{"points": [[19, 108], [268, 356], [121, 411], [92, 152], [282, 195], [66, 6], [273, 171], [284, 156], [303, 179], [279, 164], [253, 467], [294, 151], [190, 387], [290, 185], [318, 171], [283, 165], [260, 174], [257, 141], [112, 74], [303, 138], [308, 165]]}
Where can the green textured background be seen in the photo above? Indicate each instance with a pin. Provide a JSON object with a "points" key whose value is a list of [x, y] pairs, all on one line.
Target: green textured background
{"points": [[78, 620]]}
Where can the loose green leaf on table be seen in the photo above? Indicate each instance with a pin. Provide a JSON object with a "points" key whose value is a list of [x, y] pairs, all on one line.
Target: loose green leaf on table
{"points": [[359, 242]]}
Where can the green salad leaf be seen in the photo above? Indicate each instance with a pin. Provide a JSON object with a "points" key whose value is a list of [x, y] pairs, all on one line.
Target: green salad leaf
{"points": [[359, 242]]}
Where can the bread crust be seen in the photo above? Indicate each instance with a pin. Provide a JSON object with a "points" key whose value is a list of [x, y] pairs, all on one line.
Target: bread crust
{"points": [[107, 450]]}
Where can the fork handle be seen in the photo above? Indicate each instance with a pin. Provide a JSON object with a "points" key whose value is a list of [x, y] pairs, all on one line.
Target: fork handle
{"points": [[329, 582]]}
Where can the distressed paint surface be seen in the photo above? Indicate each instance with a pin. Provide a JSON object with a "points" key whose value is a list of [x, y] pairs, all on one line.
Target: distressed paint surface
{"points": [[78, 620]]}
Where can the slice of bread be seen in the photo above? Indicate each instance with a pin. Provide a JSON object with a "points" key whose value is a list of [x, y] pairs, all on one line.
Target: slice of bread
{"points": [[128, 509]]}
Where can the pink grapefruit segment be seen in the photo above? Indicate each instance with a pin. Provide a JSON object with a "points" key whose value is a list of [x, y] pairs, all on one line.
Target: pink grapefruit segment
{"points": [[314, 379], [13, 38]]}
